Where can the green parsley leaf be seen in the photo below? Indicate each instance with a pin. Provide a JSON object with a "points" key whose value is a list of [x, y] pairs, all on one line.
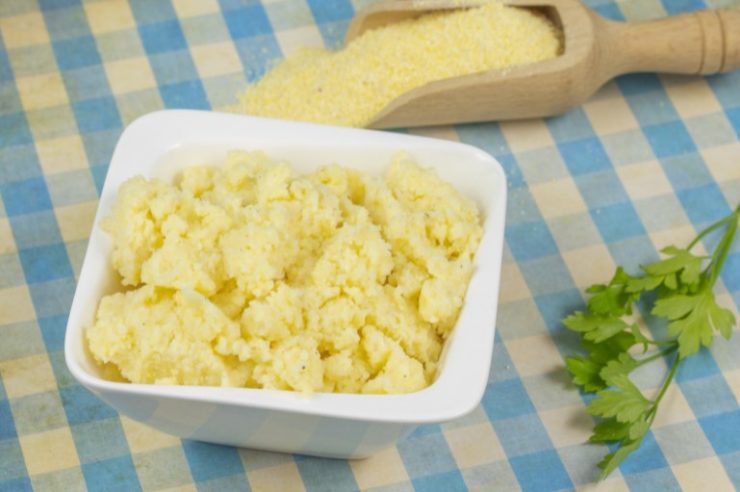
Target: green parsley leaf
{"points": [[642, 284], [595, 328], [680, 264], [639, 428], [585, 373], [609, 430], [620, 366], [694, 319], [612, 299], [720, 318], [676, 306], [639, 337], [683, 285], [626, 404], [612, 460]]}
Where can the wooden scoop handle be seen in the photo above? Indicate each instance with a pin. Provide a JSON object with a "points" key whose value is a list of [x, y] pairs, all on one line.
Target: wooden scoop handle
{"points": [[703, 42]]}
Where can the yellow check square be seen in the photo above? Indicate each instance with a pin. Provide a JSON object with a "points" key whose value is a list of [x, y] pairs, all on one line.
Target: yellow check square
{"points": [[109, 15], [129, 75], [42, 91], [49, 451], [216, 59], [23, 30]]}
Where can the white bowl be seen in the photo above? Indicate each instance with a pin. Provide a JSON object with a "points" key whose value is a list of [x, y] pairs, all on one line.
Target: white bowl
{"points": [[326, 424]]}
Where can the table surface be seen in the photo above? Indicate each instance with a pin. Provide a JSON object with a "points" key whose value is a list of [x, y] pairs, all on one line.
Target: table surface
{"points": [[645, 163]]}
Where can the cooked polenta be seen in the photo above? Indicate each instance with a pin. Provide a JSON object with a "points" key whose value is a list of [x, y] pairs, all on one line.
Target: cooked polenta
{"points": [[247, 275]]}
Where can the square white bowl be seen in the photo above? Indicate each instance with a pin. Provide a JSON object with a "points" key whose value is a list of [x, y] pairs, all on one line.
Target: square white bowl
{"points": [[325, 424]]}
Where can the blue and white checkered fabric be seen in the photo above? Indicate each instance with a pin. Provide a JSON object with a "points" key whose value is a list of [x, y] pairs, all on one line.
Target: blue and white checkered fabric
{"points": [[645, 163]]}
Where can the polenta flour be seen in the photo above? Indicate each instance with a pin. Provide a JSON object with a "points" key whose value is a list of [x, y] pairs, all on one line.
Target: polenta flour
{"points": [[349, 87]]}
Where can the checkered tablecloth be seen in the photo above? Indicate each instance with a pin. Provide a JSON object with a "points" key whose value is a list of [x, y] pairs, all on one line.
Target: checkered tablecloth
{"points": [[645, 163]]}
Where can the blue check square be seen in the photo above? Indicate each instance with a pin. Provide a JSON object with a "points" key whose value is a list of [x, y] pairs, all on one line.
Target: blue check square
{"points": [[10, 102], [99, 172], [647, 457], [86, 83], [426, 454], [208, 461], [583, 156], [188, 94], [35, 229], [669, 139], [331, 10], [704, 204], [57, 4], [22, 484], [541, 472], [257, 54], [6, 73], [725, 87], [45, 263], [529, 240], [440, 482], [729, 275], [723, 431], [14, 130], [173, 67], [162, 37], [99, 146], [514, 175], [572, 125], [53, 297], [699, 366], [7, 425], [18, 163], [673, 8], [66, 22], [147, 11], [522, 435], [507, 399], [89, 436], [93, 115], [81, 406], [733, 114], [317, 472], [52, 331], [76, 53], [639, 83], [113, 475], [617, 222], [248, 21], [29, 195]]}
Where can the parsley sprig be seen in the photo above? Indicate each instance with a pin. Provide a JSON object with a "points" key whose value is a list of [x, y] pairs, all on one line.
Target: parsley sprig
{"points": [[680, 287]]}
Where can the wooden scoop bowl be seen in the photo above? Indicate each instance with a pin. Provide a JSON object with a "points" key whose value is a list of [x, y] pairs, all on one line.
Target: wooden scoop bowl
{"points": [[596, 50]]}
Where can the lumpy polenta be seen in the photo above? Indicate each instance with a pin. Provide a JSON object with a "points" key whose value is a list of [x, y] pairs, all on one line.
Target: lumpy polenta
{"points": [[247, 275]]}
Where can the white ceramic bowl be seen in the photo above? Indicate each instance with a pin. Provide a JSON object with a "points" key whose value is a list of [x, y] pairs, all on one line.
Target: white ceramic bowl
{"points": [[327, 424]]}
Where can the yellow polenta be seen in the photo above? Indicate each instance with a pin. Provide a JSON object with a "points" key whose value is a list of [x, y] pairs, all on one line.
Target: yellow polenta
{"points": [[248, 275], [349, 87]]}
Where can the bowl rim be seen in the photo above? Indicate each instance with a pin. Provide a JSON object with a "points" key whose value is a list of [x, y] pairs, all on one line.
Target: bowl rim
{"points": [[454, 393]]}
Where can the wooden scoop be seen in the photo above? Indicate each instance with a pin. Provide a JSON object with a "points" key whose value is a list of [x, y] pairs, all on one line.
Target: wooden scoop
{"points": [[596, 50]]}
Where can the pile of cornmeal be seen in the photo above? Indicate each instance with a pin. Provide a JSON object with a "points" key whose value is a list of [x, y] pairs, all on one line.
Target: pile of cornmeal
{"points": [[247, 275], [350, 86]]}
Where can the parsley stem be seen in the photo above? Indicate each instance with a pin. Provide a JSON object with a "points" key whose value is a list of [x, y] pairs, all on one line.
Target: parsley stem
{"points": [[657, 355], [723, 248], [661, 342], [713, 227], [666, 384]]}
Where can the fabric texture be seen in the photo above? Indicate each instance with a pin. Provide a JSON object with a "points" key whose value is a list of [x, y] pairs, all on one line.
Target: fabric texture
{"points": [[647, 162]]}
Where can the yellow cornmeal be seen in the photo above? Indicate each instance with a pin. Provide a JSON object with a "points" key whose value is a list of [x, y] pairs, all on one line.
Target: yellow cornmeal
{"points": [[247, 275], [349, 87]]}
